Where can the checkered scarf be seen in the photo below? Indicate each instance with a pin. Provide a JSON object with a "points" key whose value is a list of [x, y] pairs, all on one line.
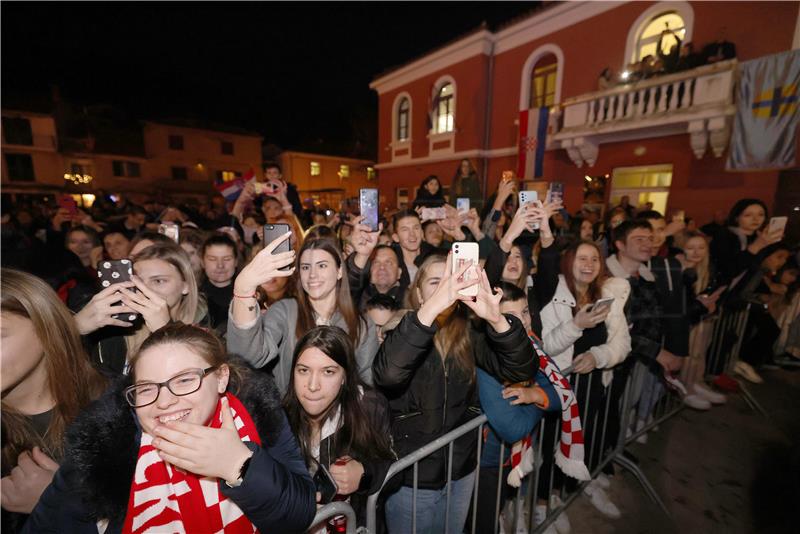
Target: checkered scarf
{"points": [[570, 452], [164, 498]]}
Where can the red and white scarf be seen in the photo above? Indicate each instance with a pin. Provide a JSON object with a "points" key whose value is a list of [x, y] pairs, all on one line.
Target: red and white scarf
{"points": [[570, 452], [164, 498]]}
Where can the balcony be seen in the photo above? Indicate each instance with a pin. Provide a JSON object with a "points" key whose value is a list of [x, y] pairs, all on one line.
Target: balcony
{"points": [[698, 102]]}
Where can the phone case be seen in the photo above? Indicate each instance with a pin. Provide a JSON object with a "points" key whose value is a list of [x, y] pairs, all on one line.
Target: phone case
{"points": [[273, 232], [464, 252], [171, 230], [113, 272], [778, 223], [462, 205], [369, 208], [526, 197], [325, 484]]}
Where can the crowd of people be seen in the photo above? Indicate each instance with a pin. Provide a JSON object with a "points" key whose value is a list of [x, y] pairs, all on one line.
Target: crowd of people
{"points": [[237, 384]]}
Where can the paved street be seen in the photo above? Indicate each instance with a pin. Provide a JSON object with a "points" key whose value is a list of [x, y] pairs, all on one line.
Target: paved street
{"points": [[729, 470]]}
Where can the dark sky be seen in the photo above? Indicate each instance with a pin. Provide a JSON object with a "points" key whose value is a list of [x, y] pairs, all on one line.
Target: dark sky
{"points": [[298, 73]]}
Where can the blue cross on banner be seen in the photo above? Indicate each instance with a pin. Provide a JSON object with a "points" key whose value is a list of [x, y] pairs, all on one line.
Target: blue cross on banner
{"points": [[765, 127]]}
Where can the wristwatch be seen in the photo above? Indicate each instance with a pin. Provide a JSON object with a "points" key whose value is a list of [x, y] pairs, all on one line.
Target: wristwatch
{"points": [[242, 472]]}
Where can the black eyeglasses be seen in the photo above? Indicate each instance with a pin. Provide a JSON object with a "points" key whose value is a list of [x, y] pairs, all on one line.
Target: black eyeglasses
{"points": [[186, 383]]}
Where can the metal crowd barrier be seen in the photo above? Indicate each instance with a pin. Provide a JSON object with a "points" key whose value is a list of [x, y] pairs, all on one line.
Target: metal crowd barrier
{"points": [[633, 404], [331, 510]]}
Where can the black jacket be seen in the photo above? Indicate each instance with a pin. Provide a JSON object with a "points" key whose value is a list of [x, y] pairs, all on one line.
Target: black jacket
{"points": [[673, 301], [430, 396], [361, 289], [277, 493]]}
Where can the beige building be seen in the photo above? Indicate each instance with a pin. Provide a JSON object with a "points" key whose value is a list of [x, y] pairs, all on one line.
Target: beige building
{"points": [[327, 180], [31, 161]]}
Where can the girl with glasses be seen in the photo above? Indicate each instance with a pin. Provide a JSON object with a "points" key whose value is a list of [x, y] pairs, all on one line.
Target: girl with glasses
{"points": [[190, 442]]}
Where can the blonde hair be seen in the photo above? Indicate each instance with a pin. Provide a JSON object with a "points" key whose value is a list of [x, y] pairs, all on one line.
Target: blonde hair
{"points": [[191, 307], [703, 269], [452, 340], [72, 380]]}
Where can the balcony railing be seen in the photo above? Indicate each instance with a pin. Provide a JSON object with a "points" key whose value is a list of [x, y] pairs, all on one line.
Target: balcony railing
{"points": [[694, 101], [44, 142]]}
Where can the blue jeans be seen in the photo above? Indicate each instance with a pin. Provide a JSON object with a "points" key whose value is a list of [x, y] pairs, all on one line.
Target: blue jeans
{"points": [[430, 508]]}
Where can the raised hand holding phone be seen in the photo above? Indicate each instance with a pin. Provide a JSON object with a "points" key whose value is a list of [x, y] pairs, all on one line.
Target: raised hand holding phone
{"points": [[446, 293], [364, 241], [265, 266]]}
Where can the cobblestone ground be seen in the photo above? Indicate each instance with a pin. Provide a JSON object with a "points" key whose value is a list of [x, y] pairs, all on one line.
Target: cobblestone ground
{"points": [[728, 470]]}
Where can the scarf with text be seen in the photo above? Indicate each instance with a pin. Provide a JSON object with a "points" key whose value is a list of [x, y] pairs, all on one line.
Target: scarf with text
{"points": [[164, 498]]}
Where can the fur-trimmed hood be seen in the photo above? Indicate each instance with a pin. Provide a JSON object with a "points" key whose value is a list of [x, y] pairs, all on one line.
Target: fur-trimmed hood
{"points": [[103, 442]]}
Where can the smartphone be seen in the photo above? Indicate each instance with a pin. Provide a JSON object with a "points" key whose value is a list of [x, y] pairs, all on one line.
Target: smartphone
{"points": [[778, 224], [273, 232], [601, 304], [171, 230], [368, 199], [526, 197], [113, 272], [508, 175], [555, 193], [433, 214], [462, 205], [325, 484], [69, 204], [465, 253]]}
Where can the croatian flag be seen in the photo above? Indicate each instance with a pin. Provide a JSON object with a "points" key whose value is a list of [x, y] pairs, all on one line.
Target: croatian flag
{"points": [[231, 190], [532, 140]]}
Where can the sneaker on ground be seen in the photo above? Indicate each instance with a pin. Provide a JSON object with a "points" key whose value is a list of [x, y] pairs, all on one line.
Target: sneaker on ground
{"points": [[697, 402], [599, 499], [539, 515], [746, 371], [603, 481], [710, 395], [562, 523]]}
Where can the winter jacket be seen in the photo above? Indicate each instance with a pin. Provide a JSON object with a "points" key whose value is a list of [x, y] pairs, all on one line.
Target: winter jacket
{"points": [[559, 332], [430, 395], [672, 297], [102, 446], [269, 341], [729, 252], [361, 289]]}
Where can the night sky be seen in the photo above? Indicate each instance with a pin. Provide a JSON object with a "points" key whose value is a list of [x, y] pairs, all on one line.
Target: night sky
{"points": [[298, 73]]}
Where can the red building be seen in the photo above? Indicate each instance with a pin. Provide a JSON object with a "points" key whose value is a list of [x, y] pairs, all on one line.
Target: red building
{"points": [[663, 139]]}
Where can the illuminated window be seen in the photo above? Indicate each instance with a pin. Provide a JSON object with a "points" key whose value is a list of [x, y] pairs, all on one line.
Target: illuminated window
{"points": [[316, 168], [641, 185], [344, 171], [444, 109], [227, 176], [402, 119], [371, 174], [648, 40], [543, 82]]}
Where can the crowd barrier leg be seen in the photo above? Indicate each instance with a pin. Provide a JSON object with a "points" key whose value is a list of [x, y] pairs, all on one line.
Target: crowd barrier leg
{"points": [[333, 509]]}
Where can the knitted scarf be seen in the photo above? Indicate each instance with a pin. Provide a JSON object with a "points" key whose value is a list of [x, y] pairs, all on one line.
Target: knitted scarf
{"points": [[164, 498], [570, 452]]}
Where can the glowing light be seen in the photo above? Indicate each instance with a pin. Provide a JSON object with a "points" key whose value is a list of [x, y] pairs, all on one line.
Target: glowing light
{"points": [[625, 75], [588, 178], [78, 178]]}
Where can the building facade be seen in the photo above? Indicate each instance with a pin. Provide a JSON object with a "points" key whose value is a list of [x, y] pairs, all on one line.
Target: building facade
{"points": [[327, 180], [662, 140], [31, 159]]}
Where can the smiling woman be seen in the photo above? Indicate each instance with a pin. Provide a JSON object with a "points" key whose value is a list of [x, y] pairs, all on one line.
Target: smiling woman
{"points": [[194, 409]]}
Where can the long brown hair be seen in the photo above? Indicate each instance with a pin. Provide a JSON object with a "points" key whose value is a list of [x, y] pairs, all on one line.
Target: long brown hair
{"points": [[594, 291], [344, 302], [72, 380], [452, 340]]}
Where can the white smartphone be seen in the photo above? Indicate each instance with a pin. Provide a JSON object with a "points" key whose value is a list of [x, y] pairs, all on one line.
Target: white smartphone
{"points": [[465, 253], [462, 205], [171, 230], [526, 197], [433, 214], [778, 224], [601, 304]]}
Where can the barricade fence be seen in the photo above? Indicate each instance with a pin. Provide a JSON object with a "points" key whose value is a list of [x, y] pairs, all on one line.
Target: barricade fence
{"points": [[334, 512], [617, 407]]}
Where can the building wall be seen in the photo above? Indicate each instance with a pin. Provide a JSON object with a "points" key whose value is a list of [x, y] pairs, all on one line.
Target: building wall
{"points": [[48, 167], [297, 169], [756, 28], [201, 155]]}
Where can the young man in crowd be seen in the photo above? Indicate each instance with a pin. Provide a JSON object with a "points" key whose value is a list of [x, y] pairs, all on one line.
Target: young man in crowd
{"points": [[133, 222], [219, 264], [117, 245]]}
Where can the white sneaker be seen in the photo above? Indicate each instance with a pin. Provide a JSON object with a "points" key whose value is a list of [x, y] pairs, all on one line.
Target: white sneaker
{"points": [[710, 395], [603, 481], [562, 523], [599, 499], [539, 515], [746, 371], [696, 402]]}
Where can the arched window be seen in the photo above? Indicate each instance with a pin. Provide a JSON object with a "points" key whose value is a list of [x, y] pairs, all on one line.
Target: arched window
{"points": [[543, 82], [647, 42], [402, 119], [444, 110]]}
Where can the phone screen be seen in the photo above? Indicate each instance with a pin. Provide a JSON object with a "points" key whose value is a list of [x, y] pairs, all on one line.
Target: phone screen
{"points": [[462, 205], [556, 192], [369, 208], [273, 232]]}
